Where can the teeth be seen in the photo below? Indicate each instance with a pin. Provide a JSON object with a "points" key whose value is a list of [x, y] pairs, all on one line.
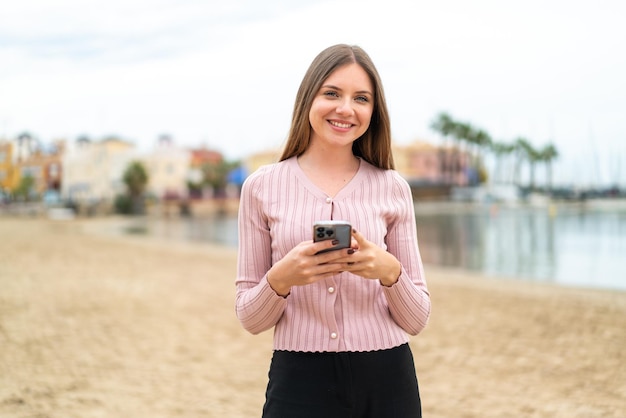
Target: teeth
{"points": [[340, 125]]}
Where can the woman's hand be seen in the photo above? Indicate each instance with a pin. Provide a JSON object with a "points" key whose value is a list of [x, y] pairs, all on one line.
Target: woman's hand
{"points": [[302, 266], [370, 261]]}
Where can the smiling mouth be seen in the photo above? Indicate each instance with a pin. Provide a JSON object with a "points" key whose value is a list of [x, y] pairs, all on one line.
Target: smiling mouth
{"points": [[340, 125]]}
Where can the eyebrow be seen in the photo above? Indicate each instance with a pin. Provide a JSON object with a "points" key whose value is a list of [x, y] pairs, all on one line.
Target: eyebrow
{"points": [[330, 86]]}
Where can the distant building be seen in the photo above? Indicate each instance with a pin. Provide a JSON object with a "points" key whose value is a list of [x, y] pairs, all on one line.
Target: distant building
{"points": [[45, 167], [93, 171], [199, 158], [418, 162], [431, 171], [24, 157], [424, 163], [25, 146], [8, 173], [254, 161], [168, 170]]}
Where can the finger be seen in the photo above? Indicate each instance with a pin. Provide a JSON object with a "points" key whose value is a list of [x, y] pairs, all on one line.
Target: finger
{"points": [[323, 245], [360, 239], [333, 257], [346, 257], [329, 269]]}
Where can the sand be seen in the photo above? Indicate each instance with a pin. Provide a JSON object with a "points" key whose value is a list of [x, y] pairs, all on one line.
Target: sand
{"points": [[98, 325]]}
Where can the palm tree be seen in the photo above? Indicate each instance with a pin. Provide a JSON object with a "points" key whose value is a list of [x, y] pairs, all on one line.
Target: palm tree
{"points": [[445, 125], [463, 132], [465, 140], [501, 151], [463, 135], [215, 175], [525, 152], [136, 178], [547, 154], [481, 141]]}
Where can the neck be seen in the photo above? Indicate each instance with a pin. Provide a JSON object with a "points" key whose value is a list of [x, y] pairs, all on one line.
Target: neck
{"points": [[329, 171], [329, 159]]}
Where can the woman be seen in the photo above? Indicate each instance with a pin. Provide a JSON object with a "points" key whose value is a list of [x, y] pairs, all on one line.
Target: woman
{"points": [[341, 318]]}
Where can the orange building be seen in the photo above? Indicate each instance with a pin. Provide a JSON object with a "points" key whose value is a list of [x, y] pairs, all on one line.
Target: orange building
{"points": [[8, 173], [44, 167], [201, 156], [18, 161], [424, 163], [256, 160]]}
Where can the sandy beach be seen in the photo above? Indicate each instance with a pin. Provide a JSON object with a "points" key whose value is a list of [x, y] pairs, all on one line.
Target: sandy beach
{"points": [[98, 325]]}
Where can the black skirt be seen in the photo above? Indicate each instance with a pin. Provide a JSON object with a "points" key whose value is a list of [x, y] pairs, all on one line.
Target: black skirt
{"points": [[373, 384]]}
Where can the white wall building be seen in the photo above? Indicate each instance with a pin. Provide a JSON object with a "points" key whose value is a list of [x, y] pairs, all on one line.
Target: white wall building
{"points": [[93, 171], [168, 169]]}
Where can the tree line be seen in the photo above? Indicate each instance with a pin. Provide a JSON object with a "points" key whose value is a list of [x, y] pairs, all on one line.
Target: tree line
{"points": [[463, 138]]}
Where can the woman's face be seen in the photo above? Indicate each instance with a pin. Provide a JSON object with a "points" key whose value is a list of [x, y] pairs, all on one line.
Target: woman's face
{"points": [[342, 109]]}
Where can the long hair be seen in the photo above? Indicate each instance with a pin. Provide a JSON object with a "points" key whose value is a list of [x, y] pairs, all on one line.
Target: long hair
{"points": [[374, 146]]}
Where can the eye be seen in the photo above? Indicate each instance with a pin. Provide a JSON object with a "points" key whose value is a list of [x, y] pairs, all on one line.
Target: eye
{"points": [[330, 93], [362, 99]]}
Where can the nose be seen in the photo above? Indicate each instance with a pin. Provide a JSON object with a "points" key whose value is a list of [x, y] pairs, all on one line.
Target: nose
{"points": [[345, 107]]}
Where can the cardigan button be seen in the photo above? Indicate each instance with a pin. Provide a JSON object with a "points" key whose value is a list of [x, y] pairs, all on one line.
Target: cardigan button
{"points": [[333, 335], [331, 290], [329, 200]]}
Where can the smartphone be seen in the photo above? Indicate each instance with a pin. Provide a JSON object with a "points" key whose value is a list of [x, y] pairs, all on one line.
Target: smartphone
{"points": [[339, 230]]}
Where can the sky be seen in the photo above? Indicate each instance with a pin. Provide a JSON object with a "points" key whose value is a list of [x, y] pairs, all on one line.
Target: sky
{"points": [[224, 74]]}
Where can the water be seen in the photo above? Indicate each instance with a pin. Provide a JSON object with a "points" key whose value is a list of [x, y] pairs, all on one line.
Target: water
{"points": [[571, 247], [215, 229], [574, 246]]}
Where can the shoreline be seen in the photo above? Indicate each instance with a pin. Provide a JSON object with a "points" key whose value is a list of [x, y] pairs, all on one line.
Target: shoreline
{"points": [[153, 227], [230, 206], [102, 325]]}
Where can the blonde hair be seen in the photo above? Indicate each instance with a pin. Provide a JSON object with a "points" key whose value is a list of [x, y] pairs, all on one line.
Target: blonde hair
{"points": [[374, 146]]}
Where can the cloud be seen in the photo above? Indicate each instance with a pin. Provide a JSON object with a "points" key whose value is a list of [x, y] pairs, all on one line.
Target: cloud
{"points": [[226, 73]]}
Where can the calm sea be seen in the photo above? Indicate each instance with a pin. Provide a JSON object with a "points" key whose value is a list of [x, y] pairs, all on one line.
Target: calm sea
{"points": [[569, 245]]}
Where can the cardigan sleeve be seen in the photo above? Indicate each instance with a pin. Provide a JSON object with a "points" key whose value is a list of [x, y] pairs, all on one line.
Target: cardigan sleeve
{"points": [[257, 306], [408, 299]]}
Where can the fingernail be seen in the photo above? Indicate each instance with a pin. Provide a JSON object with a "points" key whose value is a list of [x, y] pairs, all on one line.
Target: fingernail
{"points": [[350, 250], [335, 242]]}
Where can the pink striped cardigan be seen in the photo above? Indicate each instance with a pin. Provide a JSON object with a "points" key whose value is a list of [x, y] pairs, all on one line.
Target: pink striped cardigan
{"points": [[346, 312]]}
